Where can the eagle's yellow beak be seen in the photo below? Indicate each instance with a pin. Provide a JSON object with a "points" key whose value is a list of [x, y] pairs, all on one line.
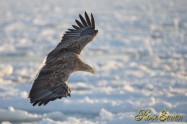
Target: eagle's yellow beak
{"points": [[92, 71]]}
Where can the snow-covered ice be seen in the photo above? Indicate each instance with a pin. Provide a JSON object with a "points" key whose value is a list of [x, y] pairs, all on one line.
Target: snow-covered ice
{"points": [[140, 58]]}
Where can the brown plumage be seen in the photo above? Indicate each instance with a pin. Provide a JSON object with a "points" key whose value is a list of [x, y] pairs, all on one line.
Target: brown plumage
{"points": [[51, 82]]}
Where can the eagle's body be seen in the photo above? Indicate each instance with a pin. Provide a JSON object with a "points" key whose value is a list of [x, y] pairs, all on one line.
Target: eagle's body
{"points": [[51, 82]]}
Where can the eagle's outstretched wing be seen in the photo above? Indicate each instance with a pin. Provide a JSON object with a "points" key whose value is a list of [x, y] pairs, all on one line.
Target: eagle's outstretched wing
{"points": [[51, 82], [82, 28], [74, 40]]}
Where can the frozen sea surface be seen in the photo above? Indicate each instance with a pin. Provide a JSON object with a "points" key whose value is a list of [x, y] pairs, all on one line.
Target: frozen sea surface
{"points": [[140, 56]]}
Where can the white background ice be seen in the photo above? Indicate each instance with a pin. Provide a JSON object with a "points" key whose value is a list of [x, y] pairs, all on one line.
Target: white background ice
{"points": [[140, 56]]}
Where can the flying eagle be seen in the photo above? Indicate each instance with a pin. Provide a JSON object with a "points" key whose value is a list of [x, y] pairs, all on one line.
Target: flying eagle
{"points": [[51, 82]]}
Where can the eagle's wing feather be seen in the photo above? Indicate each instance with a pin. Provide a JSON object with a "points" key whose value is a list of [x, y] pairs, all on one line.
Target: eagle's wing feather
{"points": [[93, 21], [50, 83], [82, 26], [79, 24], [88, 19], [83, 21], [76, 27], [75, 39]]}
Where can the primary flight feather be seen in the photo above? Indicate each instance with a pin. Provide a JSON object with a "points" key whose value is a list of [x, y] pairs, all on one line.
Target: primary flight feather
{"points": [[51, 82]]}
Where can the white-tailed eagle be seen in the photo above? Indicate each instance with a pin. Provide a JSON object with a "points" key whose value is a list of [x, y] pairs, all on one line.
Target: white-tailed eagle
{"points": [[51, 82]]}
